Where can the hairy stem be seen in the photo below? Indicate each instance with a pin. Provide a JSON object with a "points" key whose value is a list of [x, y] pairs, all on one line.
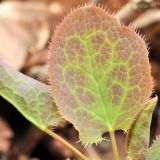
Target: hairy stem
{"points": [[65, 143], [114, 145]]}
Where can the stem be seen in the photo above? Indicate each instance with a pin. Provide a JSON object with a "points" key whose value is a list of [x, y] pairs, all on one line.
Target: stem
{"points": [[65, 143], [114, 145]]}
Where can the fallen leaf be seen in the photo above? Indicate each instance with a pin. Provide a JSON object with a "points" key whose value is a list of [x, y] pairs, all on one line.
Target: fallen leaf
{"points": [[5, 136], [24, 28]]}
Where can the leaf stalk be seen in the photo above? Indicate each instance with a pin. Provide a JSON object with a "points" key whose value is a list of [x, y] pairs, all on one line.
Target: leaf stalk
{"points": [[66, 144], [114, 145]]}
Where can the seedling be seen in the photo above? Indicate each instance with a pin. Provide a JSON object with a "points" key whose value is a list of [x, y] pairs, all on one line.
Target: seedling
{"points": [[100, 81]]}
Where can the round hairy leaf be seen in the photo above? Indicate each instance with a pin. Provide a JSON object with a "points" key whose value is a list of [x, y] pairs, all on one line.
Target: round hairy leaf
{"points": [[99, 72]]}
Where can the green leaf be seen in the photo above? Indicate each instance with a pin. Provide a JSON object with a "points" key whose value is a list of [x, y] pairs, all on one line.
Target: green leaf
{"points": [[139, 133], [99, 72], [153, 153], [28, 96]]}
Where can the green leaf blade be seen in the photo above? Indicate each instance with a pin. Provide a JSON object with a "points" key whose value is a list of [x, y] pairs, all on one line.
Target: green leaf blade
{"points": [[28, 96], [139, 133], [153, 153], [97, 70]]}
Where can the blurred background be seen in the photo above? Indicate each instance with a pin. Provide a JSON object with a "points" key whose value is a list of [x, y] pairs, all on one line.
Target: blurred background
{"points": [[26, 27]]}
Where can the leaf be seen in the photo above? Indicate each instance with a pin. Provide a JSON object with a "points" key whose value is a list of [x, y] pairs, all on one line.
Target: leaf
{"points": [[29, 96], [24, 26], [139, 133], [99, 72], [153, 153]]}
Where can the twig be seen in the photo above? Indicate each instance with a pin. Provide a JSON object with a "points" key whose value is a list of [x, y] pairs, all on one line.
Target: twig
{"points": [[149, 17], [133, 9]]}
